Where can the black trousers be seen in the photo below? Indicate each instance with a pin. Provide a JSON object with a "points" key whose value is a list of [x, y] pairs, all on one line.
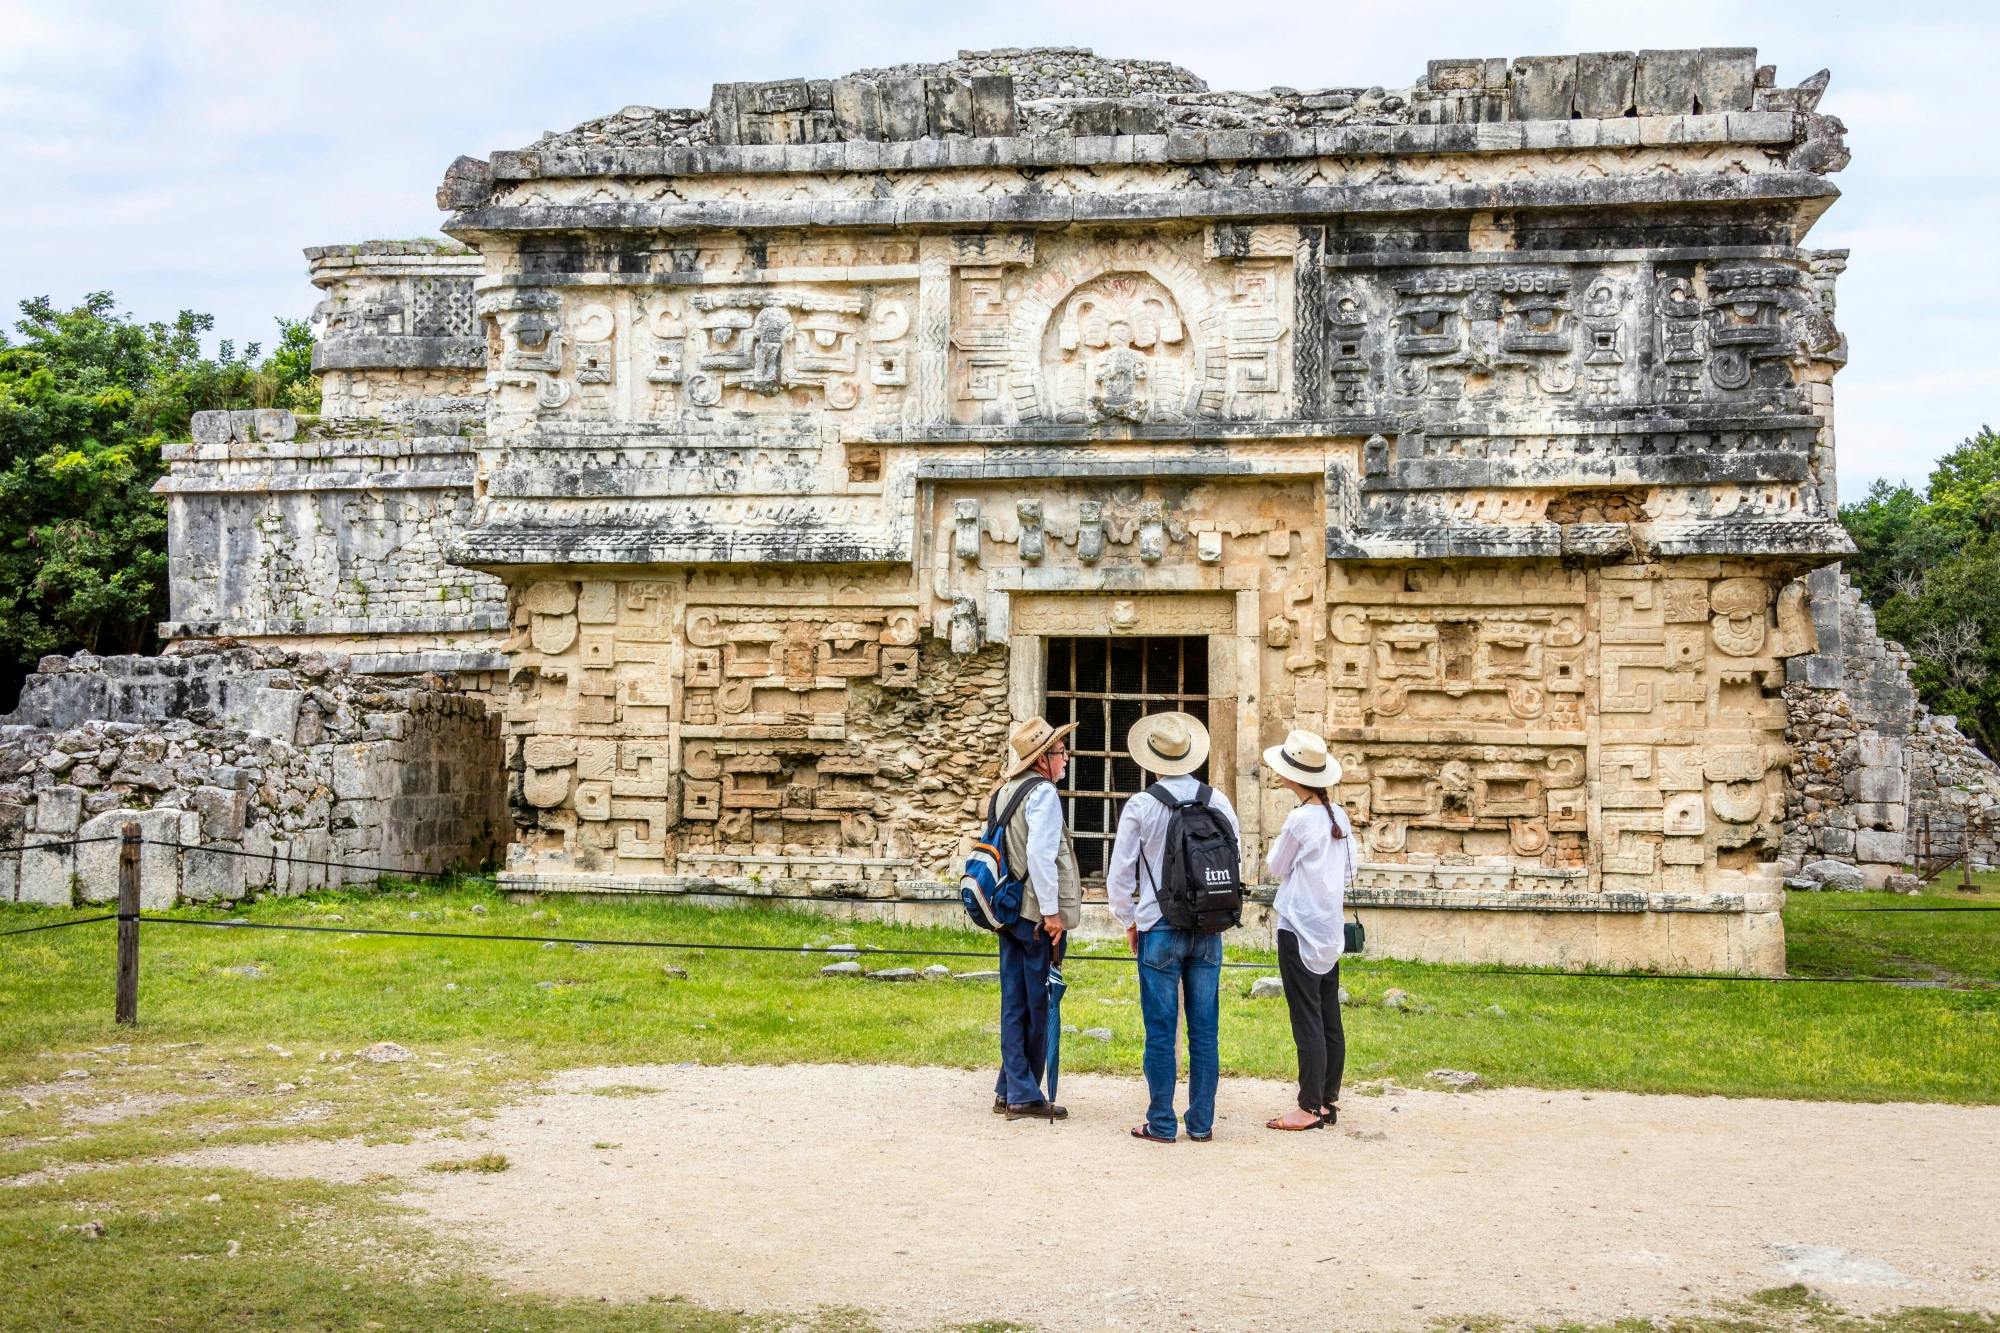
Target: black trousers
{"points": [[1315, 1005]]}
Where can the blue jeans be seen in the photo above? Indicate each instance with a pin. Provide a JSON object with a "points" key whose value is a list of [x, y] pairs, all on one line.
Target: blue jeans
{"points": [[1024, 1016], [1177, 966]]}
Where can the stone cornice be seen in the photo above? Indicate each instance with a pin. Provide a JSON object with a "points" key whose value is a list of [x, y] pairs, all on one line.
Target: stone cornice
{"points": [[1802, 189]]}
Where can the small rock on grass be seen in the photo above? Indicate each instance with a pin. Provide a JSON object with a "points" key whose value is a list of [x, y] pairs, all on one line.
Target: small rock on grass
{"points": [[937, 972], [385, 1052], [894, 974], [841, 970], [1458, 1079], [976, 976], [1495, 1011], [1266, 988], [1345, 998], [245, 970], [1098, 1034], [676, 971]]}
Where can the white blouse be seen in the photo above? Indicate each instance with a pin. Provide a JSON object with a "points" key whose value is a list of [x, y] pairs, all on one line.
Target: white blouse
{"points": [[1314, 869]]}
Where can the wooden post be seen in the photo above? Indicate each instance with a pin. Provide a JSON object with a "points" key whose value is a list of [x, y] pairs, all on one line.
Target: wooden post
{"points": [[128, 924]]}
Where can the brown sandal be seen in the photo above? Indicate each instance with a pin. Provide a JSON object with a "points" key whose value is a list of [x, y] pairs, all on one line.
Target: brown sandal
{"points": [[1315, 1123], [1146, 1132]]}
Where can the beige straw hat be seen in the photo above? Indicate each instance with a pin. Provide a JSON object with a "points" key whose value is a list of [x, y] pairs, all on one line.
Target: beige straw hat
{"points": [[1028, 742], [1303, 759], [1168, 743]]}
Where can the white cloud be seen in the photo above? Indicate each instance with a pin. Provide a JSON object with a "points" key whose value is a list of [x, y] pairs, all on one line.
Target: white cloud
{"points": [[181, 154]]}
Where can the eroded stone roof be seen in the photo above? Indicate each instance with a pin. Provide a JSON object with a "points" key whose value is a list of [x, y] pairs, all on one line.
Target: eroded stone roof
{"points": [[1071, 91]]}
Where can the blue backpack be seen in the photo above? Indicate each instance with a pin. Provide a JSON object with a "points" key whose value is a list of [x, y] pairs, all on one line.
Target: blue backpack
{"points": [[990, 890]]}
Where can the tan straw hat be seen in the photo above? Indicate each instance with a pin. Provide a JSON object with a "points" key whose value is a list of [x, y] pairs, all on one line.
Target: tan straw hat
{"points": [[1028, 742], [1303, 759], [1168, 743]]}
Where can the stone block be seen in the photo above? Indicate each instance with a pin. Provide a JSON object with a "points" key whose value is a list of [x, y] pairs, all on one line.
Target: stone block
{"points": [[47, 876], [1604, 84], [1665, 83], [949, 102], [993, 106], [1724, 78], [164, 832], [58, 810], [857, 109], [1543, 87], [1880, 751], [905, 109], [1445, 76], [1879, 847], [1832, 874], [1833, 841]]}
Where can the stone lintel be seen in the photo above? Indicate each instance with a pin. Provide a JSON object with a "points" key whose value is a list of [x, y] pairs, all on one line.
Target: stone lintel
{"points": [[1218, 145], [1012, 210], [364, 352]]}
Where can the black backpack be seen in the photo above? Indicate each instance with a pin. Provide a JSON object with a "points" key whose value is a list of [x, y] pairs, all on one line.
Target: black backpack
{"points": [[1201, 884]]}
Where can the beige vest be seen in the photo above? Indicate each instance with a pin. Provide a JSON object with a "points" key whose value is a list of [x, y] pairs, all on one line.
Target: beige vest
{"points": [[1069, 889]]}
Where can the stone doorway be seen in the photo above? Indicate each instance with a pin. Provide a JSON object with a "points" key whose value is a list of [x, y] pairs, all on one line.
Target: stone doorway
{"points": [[1104, 685]]}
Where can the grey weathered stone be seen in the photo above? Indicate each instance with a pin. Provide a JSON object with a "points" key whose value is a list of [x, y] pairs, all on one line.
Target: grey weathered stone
{"points": [[849, 969], [1604, 84], [1457, 1079], [1266, 988], [1833, 875], [1665, 84], [894, 974], [385, 1052]]}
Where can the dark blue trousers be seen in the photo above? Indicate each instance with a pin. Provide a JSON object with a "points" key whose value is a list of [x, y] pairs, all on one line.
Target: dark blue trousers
{"points": [[1024, 1014]]}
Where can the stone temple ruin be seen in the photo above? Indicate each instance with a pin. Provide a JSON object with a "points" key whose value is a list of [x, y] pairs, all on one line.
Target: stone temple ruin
{"points": [[757, 464]]}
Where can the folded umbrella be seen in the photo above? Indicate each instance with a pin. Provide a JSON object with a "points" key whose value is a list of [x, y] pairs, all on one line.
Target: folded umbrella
{"points": [[1056, 989]]}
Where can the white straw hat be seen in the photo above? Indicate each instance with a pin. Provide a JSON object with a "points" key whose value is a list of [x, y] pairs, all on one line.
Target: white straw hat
{"points": [[1169, 744], [1303, 758], [1028, 742]]}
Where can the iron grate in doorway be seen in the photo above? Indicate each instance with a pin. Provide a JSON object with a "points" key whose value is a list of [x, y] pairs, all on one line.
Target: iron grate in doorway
{"points": [[1104, 685]]}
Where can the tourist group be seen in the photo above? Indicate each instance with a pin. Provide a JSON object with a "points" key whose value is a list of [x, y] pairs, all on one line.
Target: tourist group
{"points": [[1173, 881]]}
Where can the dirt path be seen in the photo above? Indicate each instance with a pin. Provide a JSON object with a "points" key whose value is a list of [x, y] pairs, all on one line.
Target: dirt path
{"points": [[789, 1188]]}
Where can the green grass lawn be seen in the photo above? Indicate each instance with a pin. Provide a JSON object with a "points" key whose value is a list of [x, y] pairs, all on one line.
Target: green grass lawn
{"points": [[1875, 934], [250, 1036]]}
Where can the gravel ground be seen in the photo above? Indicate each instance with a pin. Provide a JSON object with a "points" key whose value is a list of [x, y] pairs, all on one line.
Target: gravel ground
{"points": [[788, 1188]]}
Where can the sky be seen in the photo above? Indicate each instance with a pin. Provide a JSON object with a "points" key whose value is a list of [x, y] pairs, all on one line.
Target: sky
{"points": [[181, 153]]}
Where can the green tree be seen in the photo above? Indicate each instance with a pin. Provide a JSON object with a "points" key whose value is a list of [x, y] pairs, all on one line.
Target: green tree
{"points": [[87, 397], [1929, 564]]}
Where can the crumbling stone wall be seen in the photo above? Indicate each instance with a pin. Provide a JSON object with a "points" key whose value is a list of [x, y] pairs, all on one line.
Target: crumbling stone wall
{"points": [[1877, 779], [285, 757]]}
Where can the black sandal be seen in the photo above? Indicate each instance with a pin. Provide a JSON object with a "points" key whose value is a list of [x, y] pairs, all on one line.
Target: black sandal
{"points": [[1327, 1117]]}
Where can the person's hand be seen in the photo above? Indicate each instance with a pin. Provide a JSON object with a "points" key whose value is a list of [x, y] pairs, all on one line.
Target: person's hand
{"points": [[1052, 926], [1132, 940]]}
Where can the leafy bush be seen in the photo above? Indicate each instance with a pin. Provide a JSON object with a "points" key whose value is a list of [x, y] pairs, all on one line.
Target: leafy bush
{"points": [[1929, 563], [87, 397]]}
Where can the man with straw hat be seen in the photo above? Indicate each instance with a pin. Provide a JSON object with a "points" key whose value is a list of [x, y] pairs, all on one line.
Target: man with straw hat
{"points": [[1052, 904], [1176, 967]]}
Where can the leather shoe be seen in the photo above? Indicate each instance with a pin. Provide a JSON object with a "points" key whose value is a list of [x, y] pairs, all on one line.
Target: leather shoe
{"points": [[999, 1106], [1036, 1111]]}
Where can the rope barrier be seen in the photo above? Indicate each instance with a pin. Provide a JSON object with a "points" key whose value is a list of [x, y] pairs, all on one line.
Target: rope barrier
{"points": [[58, 925], [853, 954], [857, 954], [51, 846]]}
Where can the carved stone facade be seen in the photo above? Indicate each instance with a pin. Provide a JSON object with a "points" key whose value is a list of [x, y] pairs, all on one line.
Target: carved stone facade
{"points": [[1485, 425], [331, 533]]}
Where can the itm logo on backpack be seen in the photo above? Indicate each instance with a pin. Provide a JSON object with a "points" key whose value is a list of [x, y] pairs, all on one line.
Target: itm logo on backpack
{"points": [[1217, 875]]}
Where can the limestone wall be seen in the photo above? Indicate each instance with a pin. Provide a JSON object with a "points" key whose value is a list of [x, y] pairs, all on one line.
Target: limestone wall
{"points": [[1878, 776], [288, 757], [1485, 424], [331, 533]]}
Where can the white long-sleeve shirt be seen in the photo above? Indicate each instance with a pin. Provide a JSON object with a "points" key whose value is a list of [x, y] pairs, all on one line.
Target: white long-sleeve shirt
{"points": [[1314, 869], [1142, 832], [1045, 829]]}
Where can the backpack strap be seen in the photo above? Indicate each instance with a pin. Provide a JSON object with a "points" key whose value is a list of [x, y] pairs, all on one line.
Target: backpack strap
{"points": [[1013, 803], [1158, 791]]}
